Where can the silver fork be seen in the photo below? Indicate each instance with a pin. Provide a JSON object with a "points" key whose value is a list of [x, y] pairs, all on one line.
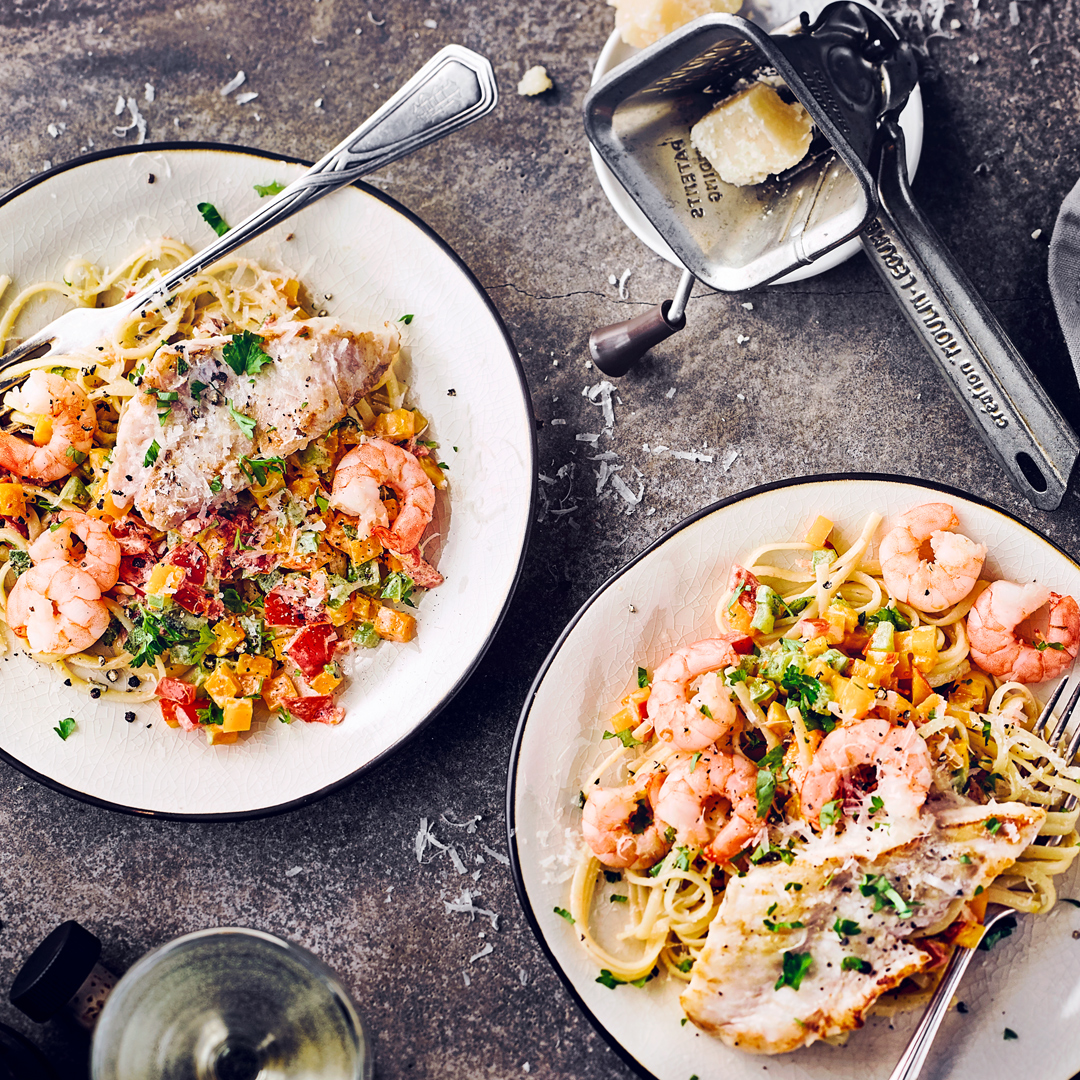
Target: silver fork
{"points": [[911, 1062], [452, 90]]}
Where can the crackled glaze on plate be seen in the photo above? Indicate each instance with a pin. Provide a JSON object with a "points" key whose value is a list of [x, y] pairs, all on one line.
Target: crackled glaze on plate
{"points": [[364, 259], [666, 597]]}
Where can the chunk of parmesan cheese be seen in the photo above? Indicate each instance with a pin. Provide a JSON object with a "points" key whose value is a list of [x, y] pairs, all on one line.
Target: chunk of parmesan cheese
{"points": [[643, 22], [535, 81], [753, 134]]}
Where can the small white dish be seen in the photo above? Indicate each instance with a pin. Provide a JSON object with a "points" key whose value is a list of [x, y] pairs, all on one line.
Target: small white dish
{"points": [[615, 52], [662, 599], [364, 258]]}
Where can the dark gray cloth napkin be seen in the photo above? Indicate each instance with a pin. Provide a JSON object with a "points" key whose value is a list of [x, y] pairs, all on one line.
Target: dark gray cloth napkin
{"points": [[1065, 272]]}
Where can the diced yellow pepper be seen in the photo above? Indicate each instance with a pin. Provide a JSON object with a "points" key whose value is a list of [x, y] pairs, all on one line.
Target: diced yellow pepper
{"points": [[261, 493], [816, 646], [434, 473], [854, 696], [325, 682], [393, 564], [276, 690], [969, 937], [12, 501], [105, 509], [777, 714], [229, 634], [394, 625], [254, 665], [872, 674], [398, 425], [164, 580], [921, 643], [215, 736], [818, 533], [237, 715], [841, 615], [624, 719], [250, 685], [222, 685], [304, 487], [342, 614], [364, 608], [969, 694], [98, 460], [43, 428], [920, 688]]}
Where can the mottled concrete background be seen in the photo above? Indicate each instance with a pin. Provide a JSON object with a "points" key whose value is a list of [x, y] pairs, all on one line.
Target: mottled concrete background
{"points": [[516, 197]]}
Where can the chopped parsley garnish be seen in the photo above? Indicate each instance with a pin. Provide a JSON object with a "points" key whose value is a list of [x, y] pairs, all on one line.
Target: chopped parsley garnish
{"points": [[796, 965], [889, 614], [398, 586], [197, 387], [694, 760], [213, 218], [830, 813], [856, 963], [1057, 646], [774, 927], [997, 932], [262, 190], [1010, 1034], [258, 469], [706, 711], [244, 354], [151, 456], [846, 927], [564, 914], [611, 981], [76, 455], [802, 687], [684, 966], [212, 714], [19, 561], [165, 399], [642, 678], [406, 319], [992, 825], [233, 601], [215, 484], [65, 727], [735, 596], [796, 885], [765, 786], [615, 898], [245, 423], [626, 737], [885, 894], [876, 804], [322, 502], [182, 365]]}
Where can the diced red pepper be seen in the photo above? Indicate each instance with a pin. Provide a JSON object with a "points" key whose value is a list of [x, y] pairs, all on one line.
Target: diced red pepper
{"points": [[192, 594], [176, 713], [318, 708], [313, 648], [285, 608], [741, 643], [176, 690]]}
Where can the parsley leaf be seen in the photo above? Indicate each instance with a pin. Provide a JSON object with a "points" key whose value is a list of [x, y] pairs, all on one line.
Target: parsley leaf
{"points": [[152, 452], [626, 737], [855, 963], [245, 423], [998, 932], [773, 927], [885, 894], [262, 190], [399, 586], [846, 927], [212, 714], [830, 813], [615, 898], [992, 825], [19, 561], [563, 913], [796, 965], [215, 484], [642, 678], [258, 469], [233, 601], [245, 355], [213, 218], [889, 614], [876, 804], [65, 727], [406, 319], [1010, 1034]]}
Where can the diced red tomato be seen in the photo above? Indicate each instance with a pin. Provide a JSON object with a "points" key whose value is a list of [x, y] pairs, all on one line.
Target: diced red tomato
{"points": [[313, 648], [192, 594], [318, 708], [176, 690], [741, 643], [747, 597]]}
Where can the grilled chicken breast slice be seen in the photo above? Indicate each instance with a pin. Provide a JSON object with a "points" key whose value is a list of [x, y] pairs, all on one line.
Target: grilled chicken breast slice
{"points": [[733, 993], [198, 411]]}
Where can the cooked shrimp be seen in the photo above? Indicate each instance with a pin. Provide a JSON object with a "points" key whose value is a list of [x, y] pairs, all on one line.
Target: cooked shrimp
{"points": [[997, 648], [374, 464], [57, 608], [619, 826], [101, 551], [899, 754], [70, 421], [675, 718], [930, 585], [711, 802]]}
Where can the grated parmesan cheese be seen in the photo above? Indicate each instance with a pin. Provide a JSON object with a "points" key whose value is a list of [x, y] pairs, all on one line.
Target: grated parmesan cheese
{"points": [[243, 99], [233, 84], [487, 950]]}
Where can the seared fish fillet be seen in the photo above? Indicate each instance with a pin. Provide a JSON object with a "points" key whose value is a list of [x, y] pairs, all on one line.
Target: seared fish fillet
{"points": [[195, 407], [732, 992]]}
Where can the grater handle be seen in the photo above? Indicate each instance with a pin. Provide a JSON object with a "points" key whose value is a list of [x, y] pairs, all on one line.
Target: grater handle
{"points": [[1015, 416]]}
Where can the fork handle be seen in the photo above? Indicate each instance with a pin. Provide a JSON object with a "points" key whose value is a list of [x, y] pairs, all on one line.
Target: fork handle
{"points": [[453, 89], [910, 1064]]}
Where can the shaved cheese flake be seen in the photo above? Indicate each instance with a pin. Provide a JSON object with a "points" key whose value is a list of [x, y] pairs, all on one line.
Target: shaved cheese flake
{"points": [[464, 905], [582, 436], [621, 486], [623, 294], [233, 84], [728, 459], [692, 455], [149, 92], [243, 99], [455, 858], [498, 856], [487, 950]]}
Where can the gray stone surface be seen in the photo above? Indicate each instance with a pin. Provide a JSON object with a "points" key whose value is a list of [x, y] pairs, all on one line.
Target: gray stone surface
{"points": [[830, 380]]}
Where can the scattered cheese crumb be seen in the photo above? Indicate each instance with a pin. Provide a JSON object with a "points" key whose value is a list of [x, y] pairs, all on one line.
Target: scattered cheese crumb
{"points": [[741, 397], [318, 101], [692, 455], [1036, 234], [1014, 13], [623, 294], [582, 436], [118, 108], [487, 950], [534, 81], [954, 24], [748, 306], [670, 394], [293, 871], [557, 423], [243, 99], [498, 856], [973, 57], [742, 339], [465, 976], [431, 24], [728, 459], [612, 279], [233, 84], [149, 92]]}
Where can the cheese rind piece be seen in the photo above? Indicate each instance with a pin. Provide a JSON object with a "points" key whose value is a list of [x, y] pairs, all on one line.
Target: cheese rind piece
{"points": [[643, 22], [753, 134], [535, 81]]}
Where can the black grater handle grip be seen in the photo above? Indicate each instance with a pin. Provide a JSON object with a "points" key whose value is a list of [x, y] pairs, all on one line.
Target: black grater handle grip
{"points": [[1001, 396]]}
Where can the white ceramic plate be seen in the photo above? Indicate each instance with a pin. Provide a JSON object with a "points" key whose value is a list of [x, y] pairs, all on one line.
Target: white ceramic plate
{"points": [[616, 51], [664, 598], [377, 262]]}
